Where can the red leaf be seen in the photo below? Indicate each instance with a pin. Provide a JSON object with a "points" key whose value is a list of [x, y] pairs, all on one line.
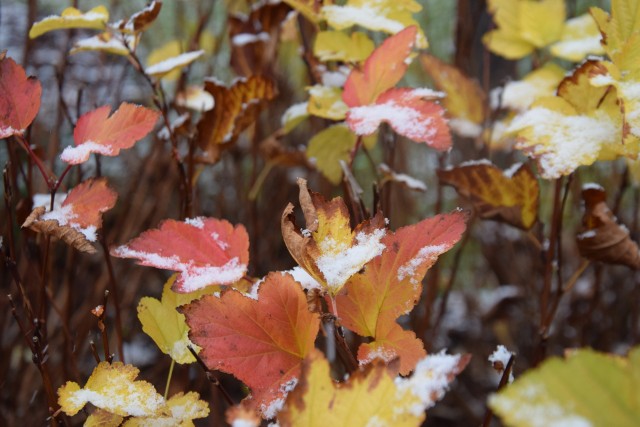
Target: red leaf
{"points": [[19, 98], [96, 132], [382, 70], [410, 114], [262, 342], [206, 251], [390, 286]]}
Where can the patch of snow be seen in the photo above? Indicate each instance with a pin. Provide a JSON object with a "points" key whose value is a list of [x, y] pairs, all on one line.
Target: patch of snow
{"points": [[465, 128], [407, 121], [427, 253], [335, 78], [271, 410], [80, 153], [41, 199], [196, 222], [382, 353], [592, 186], [301, 276], [589, 234], [295, 112], [247, 38], [163, 67], [500, 359]]}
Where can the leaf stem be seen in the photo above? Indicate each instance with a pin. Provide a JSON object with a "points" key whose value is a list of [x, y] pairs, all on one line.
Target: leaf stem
{"points": [[166, 387]]}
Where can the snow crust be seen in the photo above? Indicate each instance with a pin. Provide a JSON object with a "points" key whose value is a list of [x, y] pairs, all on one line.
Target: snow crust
{"points": [[80, 153], [407, 121], [167, 65]]}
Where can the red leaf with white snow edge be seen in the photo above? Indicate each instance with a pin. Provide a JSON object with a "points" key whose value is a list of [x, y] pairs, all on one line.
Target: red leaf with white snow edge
{"points": [[409, 112], [205, 251], [19, 98], [262, 342], [96, 132], [390, 286]]}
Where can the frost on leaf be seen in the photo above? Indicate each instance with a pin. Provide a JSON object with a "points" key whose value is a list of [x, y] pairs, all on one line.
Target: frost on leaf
{"points": [[236, 108], [77, 220], [511, 196], [523, 26], [97, 132], [601, 238], [180, 410], [585, 389], [261, 342], [105, 42], [390, 286], [328, 249], [19, 98], [71, 17], [163, 68], [580, 38], [518, 95], [205, 251], [112, 387], [374, 396]]}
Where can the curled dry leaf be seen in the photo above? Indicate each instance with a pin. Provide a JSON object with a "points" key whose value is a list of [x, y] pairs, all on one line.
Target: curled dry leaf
{"points": [[510, 196], [235, 108], [19, 98], [328, 249], [601, 237], [79, 216], [140, 20]]}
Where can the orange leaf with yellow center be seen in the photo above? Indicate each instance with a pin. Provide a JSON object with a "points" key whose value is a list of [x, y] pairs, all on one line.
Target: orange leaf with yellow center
{"points": [[19, 98], [328, 249], [390, 286], [511, 196], [261, 342]]}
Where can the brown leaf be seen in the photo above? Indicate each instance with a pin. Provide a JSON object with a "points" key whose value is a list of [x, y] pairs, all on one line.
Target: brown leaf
{"points": [[601, 238], [65, 233], [139, 21]]}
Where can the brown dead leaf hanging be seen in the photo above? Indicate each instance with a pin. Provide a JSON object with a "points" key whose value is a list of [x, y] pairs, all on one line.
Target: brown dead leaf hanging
{"points": [[601, 238], [66, 233]]}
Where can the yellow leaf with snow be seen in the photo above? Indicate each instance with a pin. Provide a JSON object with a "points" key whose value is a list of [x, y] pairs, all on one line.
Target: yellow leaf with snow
{"points": [[580, 37], [519, 95], [71, 17], [326, 102], [389, 16], [339, 46], [523, 26], [165, 67], [180, 410], [106, 42], [112, 387]]}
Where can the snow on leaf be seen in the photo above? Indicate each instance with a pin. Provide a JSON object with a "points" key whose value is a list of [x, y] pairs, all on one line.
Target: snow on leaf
{"points": [[97, 132], [79, 217], [19, 98], [168, 65], [205, 251], [294, 115], [195, 98], [329, 250], [114, 388], [389, 287], [71, 17], [371, 397], [523, 26], [180, 410], [585, 389], [338, 46], [408, 112], [326, 102], [511, 196], [105, 42], [142, 19], [261, 342], [381, 71], [389, 16], [328, 147], [518, 95], [580, 37]]}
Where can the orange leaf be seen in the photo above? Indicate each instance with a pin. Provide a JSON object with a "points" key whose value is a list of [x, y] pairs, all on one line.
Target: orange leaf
{"points": [[390, 286], [19, 98], [511, 196], [96, 132], [205, 251], [262, 342], [236, 108], [78, 217], [409, 112], [382, 70]]}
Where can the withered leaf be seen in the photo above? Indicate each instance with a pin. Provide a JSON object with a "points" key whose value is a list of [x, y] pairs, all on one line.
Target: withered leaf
{"points": [[66, 233], [601, 238]]}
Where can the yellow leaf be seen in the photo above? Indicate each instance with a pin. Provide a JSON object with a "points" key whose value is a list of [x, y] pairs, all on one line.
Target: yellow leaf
{"points": [[179, 410], [389, 16], [166, 51], [101, 418], [519, 95], [294, 115], [338, 46], [580, 37], [374, 396], [112, 387], [71, 17], [165, 325], [326, 102], [105, 42], [165, 67], [523, 26], [307, 8], [328, 147], [195, 98]]}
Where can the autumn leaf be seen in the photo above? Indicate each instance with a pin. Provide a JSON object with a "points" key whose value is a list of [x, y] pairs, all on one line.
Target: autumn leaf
{"points": [[389, 16], [205, 251], [97, 132], [328, 147], [328, 249], [180, 410], [308, 8], [114, 388], [79, 217], [371, 301], [465, 100], [373, 396], [294, 115], [339, 46], [102, 418], [326, 102], [142, 19], [19, 98], [518, 95], [601, 238], [71, 17], [523, 26], [585, 388], [511, 196], [261, 342], [105, 42], [580, 38], [195, 98], [166, 66], [236, 108]]}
